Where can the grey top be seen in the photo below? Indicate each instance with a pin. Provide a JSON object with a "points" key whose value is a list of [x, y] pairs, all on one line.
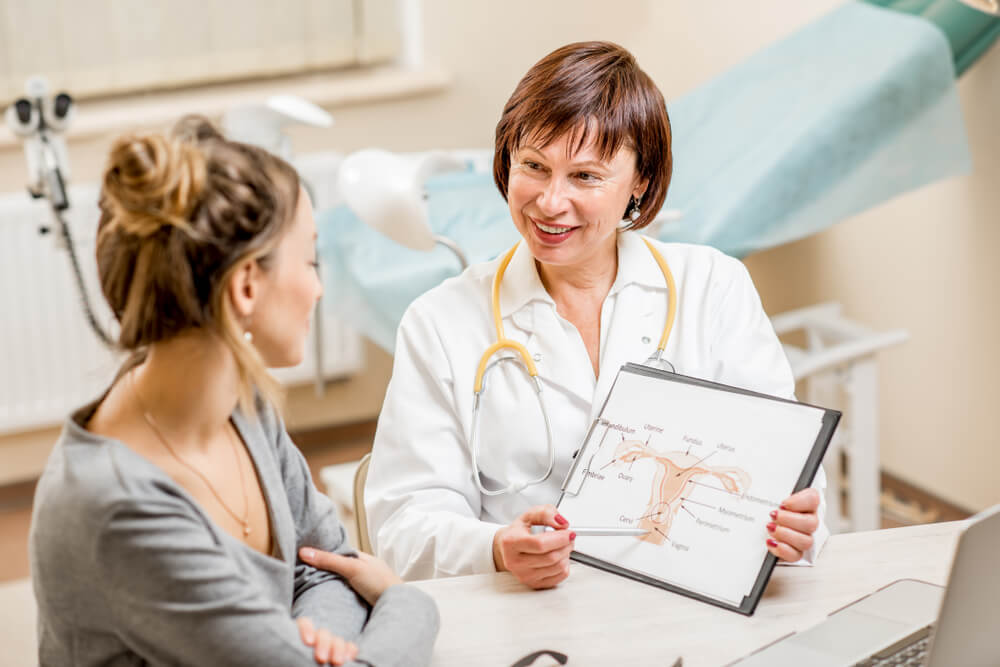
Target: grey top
{"points": [[128, 569]]}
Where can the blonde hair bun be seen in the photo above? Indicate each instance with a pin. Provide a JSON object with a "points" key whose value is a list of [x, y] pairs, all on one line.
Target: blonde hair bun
{"points": [[180, 213], [153, 182]]}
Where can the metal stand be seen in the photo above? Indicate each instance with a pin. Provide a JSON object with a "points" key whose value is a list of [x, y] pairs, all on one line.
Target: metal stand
{"points": [[840, 370]]}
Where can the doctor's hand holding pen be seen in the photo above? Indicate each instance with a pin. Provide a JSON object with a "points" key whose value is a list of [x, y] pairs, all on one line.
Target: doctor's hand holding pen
{"points": [[537, 560]]}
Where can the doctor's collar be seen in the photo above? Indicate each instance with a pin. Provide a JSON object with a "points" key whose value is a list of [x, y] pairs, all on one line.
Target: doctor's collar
{"points": [[522, 284], [636, 265]]}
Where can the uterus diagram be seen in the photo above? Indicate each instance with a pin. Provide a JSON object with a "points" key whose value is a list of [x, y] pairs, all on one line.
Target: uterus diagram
{"points": [[676, 475]]}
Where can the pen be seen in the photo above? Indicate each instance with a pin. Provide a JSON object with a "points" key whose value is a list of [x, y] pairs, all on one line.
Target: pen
{"points": [[596, 532]]}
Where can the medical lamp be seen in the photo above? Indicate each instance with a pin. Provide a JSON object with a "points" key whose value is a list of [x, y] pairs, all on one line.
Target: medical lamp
{"points": [[39, 120], [264, 124], [386, 191]]}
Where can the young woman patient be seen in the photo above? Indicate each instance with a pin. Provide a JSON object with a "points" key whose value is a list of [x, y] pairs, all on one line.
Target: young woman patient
{"points": [[175, 522]]}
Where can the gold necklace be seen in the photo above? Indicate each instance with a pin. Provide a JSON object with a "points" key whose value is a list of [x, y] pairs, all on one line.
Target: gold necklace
{"points": [[245, 520]]}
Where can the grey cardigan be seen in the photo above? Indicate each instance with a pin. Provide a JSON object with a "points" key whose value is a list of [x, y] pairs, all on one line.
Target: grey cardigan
{"points": [[128, 569]]}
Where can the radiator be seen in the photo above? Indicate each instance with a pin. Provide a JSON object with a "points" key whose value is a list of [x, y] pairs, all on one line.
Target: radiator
{"points": [[50, 360]]}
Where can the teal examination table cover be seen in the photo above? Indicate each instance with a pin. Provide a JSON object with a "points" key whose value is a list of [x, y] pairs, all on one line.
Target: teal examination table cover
{"points": [[849, 111]]}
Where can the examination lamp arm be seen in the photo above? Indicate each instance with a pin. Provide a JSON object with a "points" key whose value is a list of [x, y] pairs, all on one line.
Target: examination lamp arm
{"points": [[455, 248]]}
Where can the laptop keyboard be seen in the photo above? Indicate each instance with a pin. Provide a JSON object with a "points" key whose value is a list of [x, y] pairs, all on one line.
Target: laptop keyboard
{"points": [[910, 655]]}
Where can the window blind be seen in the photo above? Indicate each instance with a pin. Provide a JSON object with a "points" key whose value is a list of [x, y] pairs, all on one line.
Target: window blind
{"points": [[106, 47]]}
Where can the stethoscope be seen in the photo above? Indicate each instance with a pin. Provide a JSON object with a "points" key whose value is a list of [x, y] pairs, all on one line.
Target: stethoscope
{"points": [[528, 365]]}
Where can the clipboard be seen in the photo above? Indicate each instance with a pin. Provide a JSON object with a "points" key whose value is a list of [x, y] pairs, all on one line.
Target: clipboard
{"points": [[702, 392]]}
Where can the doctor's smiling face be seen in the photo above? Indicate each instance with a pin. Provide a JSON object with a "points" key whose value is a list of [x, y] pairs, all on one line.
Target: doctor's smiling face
{"points": [[567, 200], [584, 131]]}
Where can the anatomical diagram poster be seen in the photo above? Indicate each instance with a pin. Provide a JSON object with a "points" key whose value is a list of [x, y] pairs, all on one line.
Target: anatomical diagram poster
{"points": [[700, 466]]}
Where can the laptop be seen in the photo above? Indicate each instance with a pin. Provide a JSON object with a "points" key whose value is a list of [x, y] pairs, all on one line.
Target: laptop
{"points": [[911, 622]]}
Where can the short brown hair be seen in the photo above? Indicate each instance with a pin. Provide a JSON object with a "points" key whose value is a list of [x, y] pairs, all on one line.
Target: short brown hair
{"points": [[584, 88], [179, 213]]}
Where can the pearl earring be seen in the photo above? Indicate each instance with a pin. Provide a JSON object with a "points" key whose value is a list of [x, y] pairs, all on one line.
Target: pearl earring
{"points": [[634, 208], [248, 337]]}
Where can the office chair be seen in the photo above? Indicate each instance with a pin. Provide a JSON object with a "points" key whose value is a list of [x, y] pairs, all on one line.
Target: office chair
{"points": [[360, 515]]}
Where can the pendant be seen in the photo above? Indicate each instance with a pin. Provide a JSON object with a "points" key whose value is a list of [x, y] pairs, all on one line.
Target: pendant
{"points": [[246, 530]]}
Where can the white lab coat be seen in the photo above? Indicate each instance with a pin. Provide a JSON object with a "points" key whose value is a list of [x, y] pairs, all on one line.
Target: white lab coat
{"points": [[426, 517]]}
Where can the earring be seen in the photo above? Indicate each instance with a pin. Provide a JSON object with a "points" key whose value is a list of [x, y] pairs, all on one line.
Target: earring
{"points": [[633, 208], [248, 337]]}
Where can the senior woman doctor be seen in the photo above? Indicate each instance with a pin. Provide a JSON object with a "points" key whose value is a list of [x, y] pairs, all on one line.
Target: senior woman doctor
{"points": [[583, 158]]}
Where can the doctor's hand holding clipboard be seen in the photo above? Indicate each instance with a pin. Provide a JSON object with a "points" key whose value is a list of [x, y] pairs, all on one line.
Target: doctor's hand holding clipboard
{"points": [[540, 559], [499, 371]]}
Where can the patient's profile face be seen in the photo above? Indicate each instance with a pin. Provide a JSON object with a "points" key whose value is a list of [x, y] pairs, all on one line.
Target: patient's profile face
{"points": [[289, 291]]}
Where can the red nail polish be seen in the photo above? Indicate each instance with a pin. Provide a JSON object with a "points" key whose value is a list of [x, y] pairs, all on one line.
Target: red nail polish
{"points": [[774, 514], [782, 507], [771, 543], [572, 536], [561, 520], [771, 526]]}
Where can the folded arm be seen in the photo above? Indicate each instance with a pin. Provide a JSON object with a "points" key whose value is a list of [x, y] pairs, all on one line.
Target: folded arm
{"points": [[401, 626], [177, 597]]}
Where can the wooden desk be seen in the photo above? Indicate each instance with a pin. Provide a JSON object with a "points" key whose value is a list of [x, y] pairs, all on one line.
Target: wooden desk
{"points": [[598, 618]]}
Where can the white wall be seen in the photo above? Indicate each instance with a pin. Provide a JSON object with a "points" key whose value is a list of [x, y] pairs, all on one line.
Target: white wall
{"points": [[488, 46], [926, 261], [923, 261]]}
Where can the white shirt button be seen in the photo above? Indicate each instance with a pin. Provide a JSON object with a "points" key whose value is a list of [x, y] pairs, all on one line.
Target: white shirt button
{"points": [[645, 340], [537, 356]]}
